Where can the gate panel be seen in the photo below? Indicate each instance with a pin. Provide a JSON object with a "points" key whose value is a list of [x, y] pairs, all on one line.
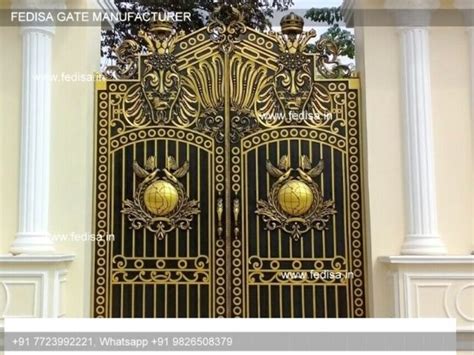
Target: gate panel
{"points": [[219, 195], [164, 271], [142, 273], [281, 271]]}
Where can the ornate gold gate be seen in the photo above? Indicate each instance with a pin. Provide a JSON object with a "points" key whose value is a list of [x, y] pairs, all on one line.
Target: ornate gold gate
{"points": [[228, 170]]}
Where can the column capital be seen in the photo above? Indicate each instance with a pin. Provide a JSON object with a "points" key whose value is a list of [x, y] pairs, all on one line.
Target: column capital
{"points": [[404, 29], [467, 9], [347, 10], [412, 4], [412, 13], [36, 5], [463, 4]]}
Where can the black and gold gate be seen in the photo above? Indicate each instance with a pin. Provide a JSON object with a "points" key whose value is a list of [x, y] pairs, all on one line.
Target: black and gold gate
{"points": [[228, 170]]}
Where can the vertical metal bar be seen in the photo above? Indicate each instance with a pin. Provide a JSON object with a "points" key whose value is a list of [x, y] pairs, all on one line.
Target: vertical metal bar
{"points": [[187, 300], [110, 249], [246, 245], [165, 302], [199, 301], [176, 302], [258, 301], [176, 231], [347, 229], [143, 300], [311, 146], [257, 191], [302, 240], [155, 248], [121, 300], [211, 238], [228, 186], [290, 155], [269, 300], [267, 185], [280, 300], [314, 302], [325, 301], [303, 300], [199, 233], [145, 146], [132, 305], [123, 197], [292, 302], [154, 299], [323, 232], [333, 197], [279, 230], [166, 239]]}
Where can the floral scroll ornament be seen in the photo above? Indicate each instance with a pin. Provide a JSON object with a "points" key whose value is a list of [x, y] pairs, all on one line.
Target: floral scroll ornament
{"points": [[226, 27], [295, 204], [160, 203]]}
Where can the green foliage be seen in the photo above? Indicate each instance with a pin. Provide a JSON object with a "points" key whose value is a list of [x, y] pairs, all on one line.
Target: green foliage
{"points": [[344, 39], [329, 15]]}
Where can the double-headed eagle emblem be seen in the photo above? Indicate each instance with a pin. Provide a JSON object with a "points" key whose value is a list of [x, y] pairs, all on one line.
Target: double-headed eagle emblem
{"points": [[160, 203], [295, 204]]}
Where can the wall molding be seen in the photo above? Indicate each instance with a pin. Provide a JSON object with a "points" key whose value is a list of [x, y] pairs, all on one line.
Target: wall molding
{"points": [[32, 285], [452, 275]]}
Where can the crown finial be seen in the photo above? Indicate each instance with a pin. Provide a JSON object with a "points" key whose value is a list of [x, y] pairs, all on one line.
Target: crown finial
{"points": [[292, 24], [162, 28]]}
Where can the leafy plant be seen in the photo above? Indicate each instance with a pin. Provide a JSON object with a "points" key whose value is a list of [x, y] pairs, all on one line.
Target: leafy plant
{"points": [[329, 15]]}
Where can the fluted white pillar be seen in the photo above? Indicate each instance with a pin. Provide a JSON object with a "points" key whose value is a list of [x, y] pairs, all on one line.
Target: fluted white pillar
{"points": [[422, 236], [33, 236]]}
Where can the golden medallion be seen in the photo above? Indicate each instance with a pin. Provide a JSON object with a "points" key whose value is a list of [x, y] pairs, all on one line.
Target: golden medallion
{"points": [[160, 203], [295, 204]]}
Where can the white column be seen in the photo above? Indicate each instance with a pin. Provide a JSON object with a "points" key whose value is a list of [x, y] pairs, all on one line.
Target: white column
{"points": [[467, 7], [422, 235], [33, 236], [422, 227]]}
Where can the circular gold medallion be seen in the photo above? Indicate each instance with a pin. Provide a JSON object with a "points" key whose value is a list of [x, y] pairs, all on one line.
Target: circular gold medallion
{"points": [[161, 198], [295, 197]]}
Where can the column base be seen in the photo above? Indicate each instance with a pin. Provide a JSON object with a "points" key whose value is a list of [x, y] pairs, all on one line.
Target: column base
{"points": [[32, 243], [423, 245]]}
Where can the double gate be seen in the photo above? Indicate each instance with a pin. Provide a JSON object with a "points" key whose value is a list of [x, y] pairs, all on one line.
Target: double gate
{"points": [[228, 170]]}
